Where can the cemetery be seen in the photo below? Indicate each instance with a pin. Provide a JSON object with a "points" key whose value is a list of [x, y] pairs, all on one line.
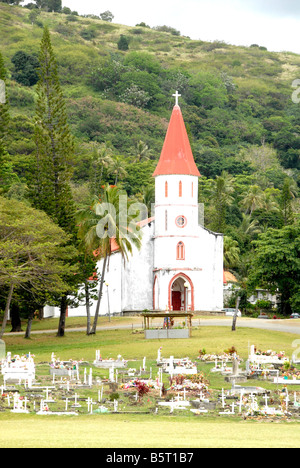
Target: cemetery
{"points": [[166, 386], [120, 381]]}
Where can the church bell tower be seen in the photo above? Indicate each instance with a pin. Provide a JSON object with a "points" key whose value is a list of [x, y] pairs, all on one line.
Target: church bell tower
{"points": [[176, 219]]}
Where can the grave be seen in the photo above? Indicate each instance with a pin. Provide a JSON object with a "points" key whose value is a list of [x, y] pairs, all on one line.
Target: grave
{"points": [[119, 363], [63, 368], [237, 389], [235, 375], [179, 403], [286, 381], [267, 357], [179, 366], [20, 404], [18, 368]]}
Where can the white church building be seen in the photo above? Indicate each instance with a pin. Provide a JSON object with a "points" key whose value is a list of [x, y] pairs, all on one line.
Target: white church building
{"points": [[180, 264]]}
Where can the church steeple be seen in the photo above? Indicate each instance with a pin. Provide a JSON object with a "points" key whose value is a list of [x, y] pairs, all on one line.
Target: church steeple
{"points": [[176, 156]]}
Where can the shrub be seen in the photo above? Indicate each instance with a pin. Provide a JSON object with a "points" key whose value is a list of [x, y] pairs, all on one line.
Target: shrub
{"points": [[88, 34], [167, 29], [25, 68], [123, 43]]}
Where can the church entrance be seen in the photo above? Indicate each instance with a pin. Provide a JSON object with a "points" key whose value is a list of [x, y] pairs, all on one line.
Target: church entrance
{"points": [[176, 300], [181, 293]]}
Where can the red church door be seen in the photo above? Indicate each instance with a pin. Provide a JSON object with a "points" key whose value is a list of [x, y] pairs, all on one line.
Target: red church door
{"points": [[176, 300]]}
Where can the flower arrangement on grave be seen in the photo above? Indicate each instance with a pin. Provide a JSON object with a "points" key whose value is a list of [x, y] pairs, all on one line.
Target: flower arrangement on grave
{"points": [[231, 351], [142, 388], [67, 365], [99, 358], [151, 384], [199, 378], [194, 383], [220, 357], [186, 363], [270, 353], [291, 374], [24, 362]]}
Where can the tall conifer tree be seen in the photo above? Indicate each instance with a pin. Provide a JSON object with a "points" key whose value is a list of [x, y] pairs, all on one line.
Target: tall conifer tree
{"points": [[54, 144], [54, 153], [4, 121]]}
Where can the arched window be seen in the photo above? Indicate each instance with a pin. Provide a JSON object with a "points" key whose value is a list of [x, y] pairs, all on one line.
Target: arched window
{"points": [[180, 251], [166, 189], [192, 189], [166, 220], [180, 189]]}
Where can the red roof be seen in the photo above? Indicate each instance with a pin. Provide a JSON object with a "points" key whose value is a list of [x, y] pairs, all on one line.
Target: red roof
{"points": [[176, 156]]}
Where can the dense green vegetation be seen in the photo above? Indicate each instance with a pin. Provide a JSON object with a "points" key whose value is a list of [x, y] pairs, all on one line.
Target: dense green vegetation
{"points": [[116, 85]]}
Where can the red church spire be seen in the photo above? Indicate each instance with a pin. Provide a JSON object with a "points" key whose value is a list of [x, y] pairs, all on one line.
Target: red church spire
{"points": [[176, 156]]}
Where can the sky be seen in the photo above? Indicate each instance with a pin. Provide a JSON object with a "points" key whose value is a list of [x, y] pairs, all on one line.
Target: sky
{"points": [[269, 23]]}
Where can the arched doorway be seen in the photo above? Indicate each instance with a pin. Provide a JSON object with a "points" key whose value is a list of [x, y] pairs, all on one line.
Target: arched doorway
{"points": [[181, 293]]}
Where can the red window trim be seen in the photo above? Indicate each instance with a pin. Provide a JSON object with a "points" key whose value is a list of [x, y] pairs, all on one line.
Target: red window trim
{"points": [[180, 251]]}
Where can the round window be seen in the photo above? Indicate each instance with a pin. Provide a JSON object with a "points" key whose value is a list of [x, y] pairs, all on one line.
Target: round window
{"points": [[181, 221]]}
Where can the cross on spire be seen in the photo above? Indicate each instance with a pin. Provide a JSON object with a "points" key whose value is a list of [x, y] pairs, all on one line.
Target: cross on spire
{"points": [[176, 95]]}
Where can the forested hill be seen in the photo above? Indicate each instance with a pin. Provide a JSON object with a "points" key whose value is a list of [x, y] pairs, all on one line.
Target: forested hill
{"points": [[118, 83]]}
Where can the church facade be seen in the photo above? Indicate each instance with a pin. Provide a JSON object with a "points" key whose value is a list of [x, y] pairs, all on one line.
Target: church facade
{"points": [[180, 264]]}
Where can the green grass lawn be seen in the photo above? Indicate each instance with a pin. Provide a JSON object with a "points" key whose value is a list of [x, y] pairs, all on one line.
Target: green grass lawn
{"points": [[77, 345], [163, 430], [134, 431]]}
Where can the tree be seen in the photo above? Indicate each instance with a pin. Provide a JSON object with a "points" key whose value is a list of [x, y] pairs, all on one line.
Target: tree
{"points": [[222, 199], [141, 152], [103, 223], [51, 189], [4, 120], [231, 253], [7, 175], [49, 5], [31, 252], [54, 144], [276, 264], [101, 159], [123, 43], [287, 196], [107, 16], [253, 199], [117, 168], [33, 15], [25, 67], [12, 2], [233, 327]]}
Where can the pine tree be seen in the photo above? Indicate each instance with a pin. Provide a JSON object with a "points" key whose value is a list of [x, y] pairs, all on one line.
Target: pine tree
{"points": [[54, 144], [54, 153], [4, 121]]}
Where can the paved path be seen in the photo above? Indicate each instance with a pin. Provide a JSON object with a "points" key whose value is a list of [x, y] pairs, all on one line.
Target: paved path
{"points": [[287, 326]]}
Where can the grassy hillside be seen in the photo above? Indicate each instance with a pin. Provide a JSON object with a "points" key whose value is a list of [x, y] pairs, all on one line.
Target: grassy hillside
{"points": [[236, 101]]}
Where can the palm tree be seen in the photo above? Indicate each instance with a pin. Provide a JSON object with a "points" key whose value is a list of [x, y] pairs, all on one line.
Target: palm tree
{"points": [[249, 227], [231, 253], [103, 158], [222, 198], [117, 168], [103, 223], [288, 194], [270, 203], [253, 199], [148, 198], [141, 152]]}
